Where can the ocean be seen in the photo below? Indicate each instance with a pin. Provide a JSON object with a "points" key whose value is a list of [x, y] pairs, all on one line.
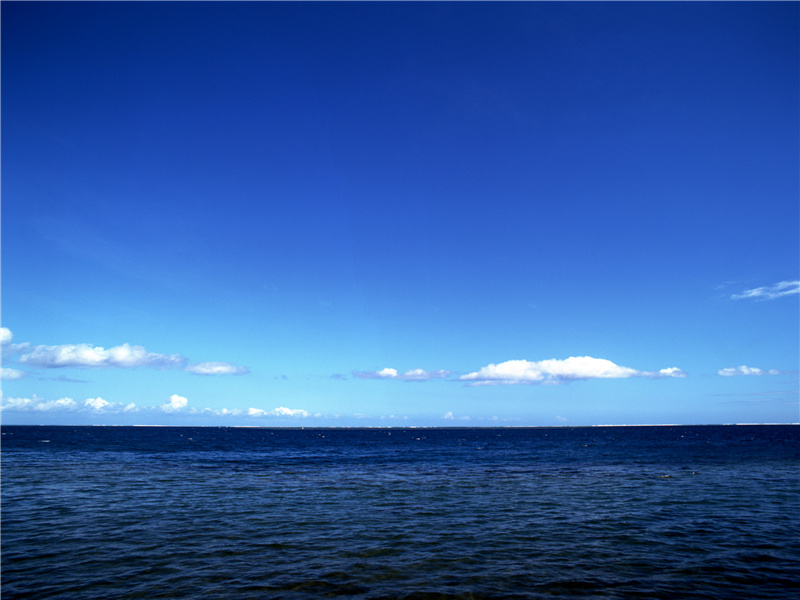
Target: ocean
{"points": [[679, 512]]}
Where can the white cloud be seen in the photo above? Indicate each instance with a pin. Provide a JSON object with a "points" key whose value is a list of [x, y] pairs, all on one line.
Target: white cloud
{"points": [[770, 292], [216, 368], [60, 404], [410, 375], [557, 371], [5, 335], [668, 372], [84, 355], [176, 403], [225, 412], [37, 404], [97, 404], [422, 375], [449, 416], [745, 370], [124, 356], [100, 405], [529, 372], [8, 374], [282, 411]]}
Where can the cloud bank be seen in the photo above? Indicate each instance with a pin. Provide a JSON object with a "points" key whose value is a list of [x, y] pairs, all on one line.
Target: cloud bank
{"points": [[745, 370], [770, 292], [125, 356], [37, 404], [512, 372], [553, 371], [174, 405]]}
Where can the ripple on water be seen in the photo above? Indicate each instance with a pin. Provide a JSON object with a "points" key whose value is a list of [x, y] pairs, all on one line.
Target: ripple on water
{"points": [[511, 520]]}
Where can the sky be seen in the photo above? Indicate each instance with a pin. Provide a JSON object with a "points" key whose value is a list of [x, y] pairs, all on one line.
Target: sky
{"points": [[400, 214]]}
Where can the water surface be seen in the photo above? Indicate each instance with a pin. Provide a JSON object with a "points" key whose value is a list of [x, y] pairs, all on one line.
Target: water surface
{"points": [[233, 513]]}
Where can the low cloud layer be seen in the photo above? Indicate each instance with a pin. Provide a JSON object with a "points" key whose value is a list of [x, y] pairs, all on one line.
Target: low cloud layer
{"points": [[770, 292], [411, 375], [125, 356], [745, 370], [554, 371], [174, 405], [281, 411]]}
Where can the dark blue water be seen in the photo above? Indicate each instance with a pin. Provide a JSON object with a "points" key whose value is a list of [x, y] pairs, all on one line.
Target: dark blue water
{"points": [[228, 513]]}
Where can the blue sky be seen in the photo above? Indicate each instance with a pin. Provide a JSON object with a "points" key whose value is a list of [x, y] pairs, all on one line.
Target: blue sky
{"points": [[395, 214]]}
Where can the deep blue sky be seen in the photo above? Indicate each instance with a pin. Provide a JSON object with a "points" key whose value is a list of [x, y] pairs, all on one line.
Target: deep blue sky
{"points": [[272, 203]]}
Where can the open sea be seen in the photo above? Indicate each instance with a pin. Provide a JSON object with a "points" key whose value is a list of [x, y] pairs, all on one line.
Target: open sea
{"points": [[679, 512]]}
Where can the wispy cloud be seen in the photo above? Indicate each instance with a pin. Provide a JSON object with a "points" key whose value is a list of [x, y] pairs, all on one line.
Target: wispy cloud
{"points": [[281, 411], [411, 375], [555, 371], [8, 374], [770, 292], [63, 378], [124, 356], [745, 370], [216, 368]]}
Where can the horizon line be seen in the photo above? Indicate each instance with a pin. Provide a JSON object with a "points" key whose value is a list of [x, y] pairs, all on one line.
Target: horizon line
{"points": [[295, 427]]}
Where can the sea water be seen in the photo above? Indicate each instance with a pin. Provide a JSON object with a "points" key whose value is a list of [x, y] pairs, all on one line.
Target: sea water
{"points": [[678, 512]]}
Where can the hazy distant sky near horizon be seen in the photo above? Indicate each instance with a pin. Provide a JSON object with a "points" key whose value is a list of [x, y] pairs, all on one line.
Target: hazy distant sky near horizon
{"points": [[400, 213]]}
